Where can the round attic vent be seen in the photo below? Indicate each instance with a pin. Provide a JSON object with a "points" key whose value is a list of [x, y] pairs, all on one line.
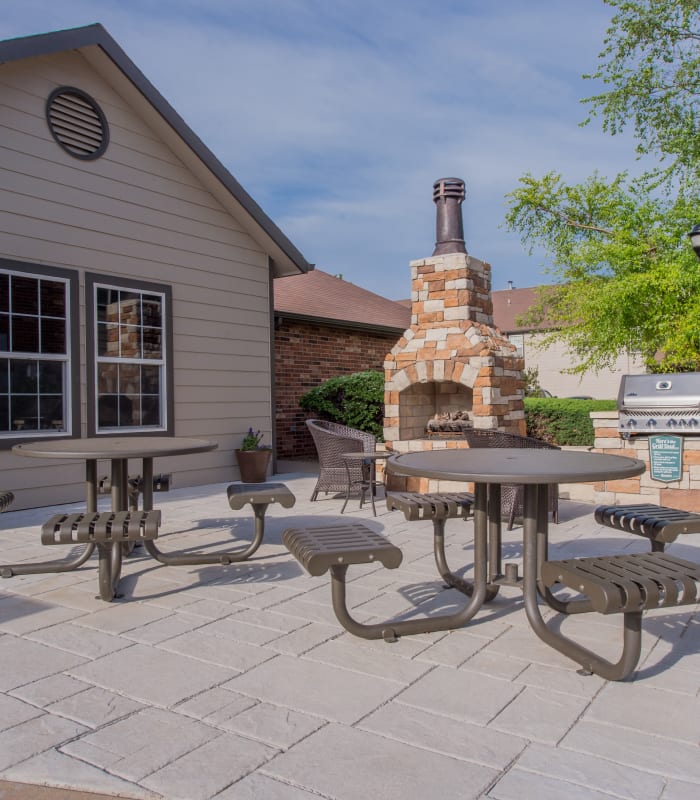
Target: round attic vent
{"points": [[77, 123]]}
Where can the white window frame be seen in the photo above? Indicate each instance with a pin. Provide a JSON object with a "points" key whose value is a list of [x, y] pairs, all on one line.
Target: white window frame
{"points": [[163, 363], [67, 359]]}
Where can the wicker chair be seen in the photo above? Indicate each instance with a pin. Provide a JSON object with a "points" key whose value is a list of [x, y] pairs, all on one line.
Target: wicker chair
{"points": [[332, 440], [512, 496]]}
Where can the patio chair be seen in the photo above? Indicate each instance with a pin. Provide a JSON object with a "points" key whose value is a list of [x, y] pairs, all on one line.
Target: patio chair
{"points": [[512, 496], [332, 440]]}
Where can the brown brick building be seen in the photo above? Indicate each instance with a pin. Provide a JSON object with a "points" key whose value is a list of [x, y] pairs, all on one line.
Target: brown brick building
{"points": [[325, 326]]}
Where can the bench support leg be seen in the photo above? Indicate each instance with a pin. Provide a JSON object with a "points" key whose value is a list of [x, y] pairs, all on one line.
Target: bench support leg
{"points": [[109, 569], [590, 661], [8, 570], [452, 580], [191, 559], [391, 629]]}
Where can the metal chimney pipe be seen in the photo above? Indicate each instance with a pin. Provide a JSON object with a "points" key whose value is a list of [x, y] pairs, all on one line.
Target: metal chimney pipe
{"points": [[448, 194]]}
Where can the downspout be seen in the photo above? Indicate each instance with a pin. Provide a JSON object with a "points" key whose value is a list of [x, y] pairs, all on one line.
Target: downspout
{"points": [[273, 372]]}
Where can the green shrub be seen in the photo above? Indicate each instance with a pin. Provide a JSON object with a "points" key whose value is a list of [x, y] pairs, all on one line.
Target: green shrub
{"points": [[562, 421], [355, 400]]}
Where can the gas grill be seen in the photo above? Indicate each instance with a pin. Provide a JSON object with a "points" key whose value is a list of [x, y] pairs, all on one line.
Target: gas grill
{"points": [[667, 403]]}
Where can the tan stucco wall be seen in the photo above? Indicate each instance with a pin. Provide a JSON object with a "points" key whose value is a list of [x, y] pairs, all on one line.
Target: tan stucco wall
{"points": [[552, 362], [136, 211]]}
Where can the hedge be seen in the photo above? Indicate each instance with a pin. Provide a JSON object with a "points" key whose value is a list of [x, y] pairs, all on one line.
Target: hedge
{"points": [[356, 400], [563, 421]]}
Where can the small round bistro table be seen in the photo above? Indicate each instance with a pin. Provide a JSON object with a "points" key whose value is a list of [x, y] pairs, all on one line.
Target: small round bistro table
{"points": [[369, 483]]}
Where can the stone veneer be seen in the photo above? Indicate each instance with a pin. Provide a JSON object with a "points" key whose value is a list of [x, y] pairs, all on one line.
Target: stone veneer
{"points": [[683, 494], [451, 357]]}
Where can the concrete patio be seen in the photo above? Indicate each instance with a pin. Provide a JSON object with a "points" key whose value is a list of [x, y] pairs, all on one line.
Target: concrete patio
{"points": [[237, 682]]}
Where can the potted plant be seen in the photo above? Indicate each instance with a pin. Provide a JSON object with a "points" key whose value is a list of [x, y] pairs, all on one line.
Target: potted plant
{"points": [[253, 458]]}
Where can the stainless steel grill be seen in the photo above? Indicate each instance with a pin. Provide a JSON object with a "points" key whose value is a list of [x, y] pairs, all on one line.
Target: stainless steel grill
{"points": [[668, 403]]}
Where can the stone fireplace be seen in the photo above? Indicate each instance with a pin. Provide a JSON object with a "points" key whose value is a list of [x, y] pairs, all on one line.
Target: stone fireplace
{"points": [[451, 364]]}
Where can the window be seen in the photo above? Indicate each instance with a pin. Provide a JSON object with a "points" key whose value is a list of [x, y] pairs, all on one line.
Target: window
{"points": [[37, 361], [518, 340], [130, 359]]}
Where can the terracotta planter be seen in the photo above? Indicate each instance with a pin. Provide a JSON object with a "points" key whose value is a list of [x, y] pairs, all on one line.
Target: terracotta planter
{"points": [[253, 465]]}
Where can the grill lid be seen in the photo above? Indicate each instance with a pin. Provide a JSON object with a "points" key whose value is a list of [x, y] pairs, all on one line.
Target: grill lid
{"points": [[681, 390]]}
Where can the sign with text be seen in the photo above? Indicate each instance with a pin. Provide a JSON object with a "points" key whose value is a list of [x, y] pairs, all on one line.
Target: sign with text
{"points": [[666, 458]]}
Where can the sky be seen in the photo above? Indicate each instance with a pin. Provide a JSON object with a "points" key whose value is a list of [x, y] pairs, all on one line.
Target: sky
{"points": [[337, 116]]}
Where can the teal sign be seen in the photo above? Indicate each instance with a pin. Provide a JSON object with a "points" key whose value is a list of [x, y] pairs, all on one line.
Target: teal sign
{"points": [[666, 458]]}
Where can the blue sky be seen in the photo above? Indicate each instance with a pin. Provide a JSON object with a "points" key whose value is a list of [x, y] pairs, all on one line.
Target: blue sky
{"points": [[338, 115]]}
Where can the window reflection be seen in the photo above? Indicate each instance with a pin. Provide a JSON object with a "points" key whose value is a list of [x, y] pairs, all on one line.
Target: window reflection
{"points": [[129, 338]]}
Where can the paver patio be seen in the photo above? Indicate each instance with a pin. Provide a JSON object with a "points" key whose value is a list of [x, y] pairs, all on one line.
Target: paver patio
{"points": [[237, 682]]}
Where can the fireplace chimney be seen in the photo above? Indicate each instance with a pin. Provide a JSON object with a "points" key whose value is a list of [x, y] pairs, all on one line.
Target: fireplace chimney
{"points": [[448, 194]]}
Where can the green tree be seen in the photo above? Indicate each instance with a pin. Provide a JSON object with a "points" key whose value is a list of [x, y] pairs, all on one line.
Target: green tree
{"points": [[651, 64], [626, 277]]}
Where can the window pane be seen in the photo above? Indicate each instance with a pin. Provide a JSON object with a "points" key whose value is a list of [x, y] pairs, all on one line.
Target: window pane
{"points": [[129, 379], [130, 410], [107, 378], [103, 301], [152, 311], [25, 334], [25, 295], [150, 411], [24, 413], [150, 379], [4, 413], [4, 379], [51, 413], [152, 343], [4, 332], [23, 377], [108, 340], [53, 299], [129, 308], [53, 336], [130, 341], [4, 292], [50, 377]]}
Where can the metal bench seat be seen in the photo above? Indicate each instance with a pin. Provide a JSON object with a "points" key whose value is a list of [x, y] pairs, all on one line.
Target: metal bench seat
{"points": [[660, 524], [320, 548], [444, 505], [626, 584], [438, 507], [107, 527], [107, 531]]}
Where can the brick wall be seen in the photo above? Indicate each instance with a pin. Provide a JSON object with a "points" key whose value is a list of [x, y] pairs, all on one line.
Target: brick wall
{"points": [[306, 354]]}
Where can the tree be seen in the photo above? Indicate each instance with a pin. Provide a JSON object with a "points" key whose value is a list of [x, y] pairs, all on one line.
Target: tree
{"points": [[626, 277], [651, 61]]}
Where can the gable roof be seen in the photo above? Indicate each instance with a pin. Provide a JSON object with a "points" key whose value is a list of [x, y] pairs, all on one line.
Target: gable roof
{"points": [[112, 63], [320, 297]]}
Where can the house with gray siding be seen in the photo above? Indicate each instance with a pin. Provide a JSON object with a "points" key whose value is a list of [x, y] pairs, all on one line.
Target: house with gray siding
{"points": [[136, 273]]}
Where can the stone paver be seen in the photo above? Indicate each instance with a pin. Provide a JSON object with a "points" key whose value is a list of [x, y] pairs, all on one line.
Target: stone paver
{"points": [[238, 682]]}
